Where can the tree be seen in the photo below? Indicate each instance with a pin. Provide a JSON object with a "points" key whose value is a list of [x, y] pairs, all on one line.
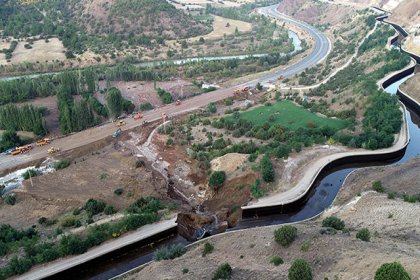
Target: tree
{"points": [[392, 271], [217, 179], [285, 235], [259, 86], [114, 101], [9, 139], [267, 169], [300, 270]]}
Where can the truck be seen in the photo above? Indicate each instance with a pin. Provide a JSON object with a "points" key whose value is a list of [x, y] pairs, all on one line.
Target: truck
{"points": [[116, 133], [247, 88], [138, 116], [43, 142]]}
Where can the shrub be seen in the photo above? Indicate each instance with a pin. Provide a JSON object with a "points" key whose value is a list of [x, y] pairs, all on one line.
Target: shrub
{"points": [[169, 142], [285, 235], [139, 163], [267, 169], [208, 248], [228, 102], [61, 164], [119, 191], [224, 271], [410, 198], [333, 222], [252, 157], [185, 270], [363, 234], [10, 199], [391, 195], [94, 207], [146, 106], [256, 190], [217, 179], [305, 246], [276, 260], [170, 252], [391, 271], [30, 173], [42, 220], [109, 210], [68, 222], [76, 211], [300, 270], [377, 186]]}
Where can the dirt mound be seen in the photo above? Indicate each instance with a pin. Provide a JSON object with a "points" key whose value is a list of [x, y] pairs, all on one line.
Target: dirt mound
{"points": [[229, 163]]}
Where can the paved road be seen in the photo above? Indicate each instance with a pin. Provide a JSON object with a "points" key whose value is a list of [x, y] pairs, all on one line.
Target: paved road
{"points": [[319, 52]]}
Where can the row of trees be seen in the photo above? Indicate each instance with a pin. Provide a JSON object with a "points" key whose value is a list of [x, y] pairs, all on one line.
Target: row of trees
{"points": [[25, 118]]}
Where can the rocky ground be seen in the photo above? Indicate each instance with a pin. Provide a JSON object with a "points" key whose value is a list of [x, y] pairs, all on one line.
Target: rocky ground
{"points": [[412, 87], [395, 237]]}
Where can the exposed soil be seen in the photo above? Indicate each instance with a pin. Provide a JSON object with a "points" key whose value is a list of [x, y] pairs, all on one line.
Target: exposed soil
{"points": [[94, 173], [142, 91], [406, 13], [412, 87], [394, 237]]}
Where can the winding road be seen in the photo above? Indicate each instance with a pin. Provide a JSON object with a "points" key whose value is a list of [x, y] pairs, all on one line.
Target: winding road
{"points": [[320, 50]]}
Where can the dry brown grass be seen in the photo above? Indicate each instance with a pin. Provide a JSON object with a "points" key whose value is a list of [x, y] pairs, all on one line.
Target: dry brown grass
{"points": [[40, 52]]}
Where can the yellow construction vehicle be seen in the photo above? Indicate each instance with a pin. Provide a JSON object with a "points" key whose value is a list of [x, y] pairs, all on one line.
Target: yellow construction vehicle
{"points": [[43, 142], [121, 123]]}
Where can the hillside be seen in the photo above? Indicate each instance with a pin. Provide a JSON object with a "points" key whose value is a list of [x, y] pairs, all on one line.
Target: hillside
{"points": [[139, 17], [407, 14], [84, 24]]}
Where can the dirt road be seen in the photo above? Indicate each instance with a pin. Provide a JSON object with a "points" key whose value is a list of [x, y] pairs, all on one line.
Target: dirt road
{"points": [[321, 48]]}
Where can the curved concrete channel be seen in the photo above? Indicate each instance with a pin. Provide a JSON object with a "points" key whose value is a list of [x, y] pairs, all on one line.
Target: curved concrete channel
{"points": [[318, 197]]}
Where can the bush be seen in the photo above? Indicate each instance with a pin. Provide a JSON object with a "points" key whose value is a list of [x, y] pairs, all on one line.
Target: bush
{"points": [[276, 260], [377, 186], [185, 270], [109, 210], [146, 106], [228, 102], [208, 248], [170, 252], [224, 271], [252, 157], [267, 169], [68, 222], [391, 195], [363, 234], [77, 211], [256, 190], [30, 173], [94, 207], [61, 164], [140, 163], [300, 270], [10, 199], [285, 235], [217, 179], [118, 191], [391, 271], [334, 223]]}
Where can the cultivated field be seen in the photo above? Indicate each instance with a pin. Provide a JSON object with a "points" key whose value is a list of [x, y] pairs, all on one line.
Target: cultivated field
{"points": [[289, 115], [40, 52]]}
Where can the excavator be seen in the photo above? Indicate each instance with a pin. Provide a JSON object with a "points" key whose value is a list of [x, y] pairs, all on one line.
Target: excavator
{"points": [[120, 123], [43, 142]]}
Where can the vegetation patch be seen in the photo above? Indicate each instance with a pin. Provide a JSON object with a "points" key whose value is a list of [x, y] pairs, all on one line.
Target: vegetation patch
{"points": [[170, 252], [285, 235], [288, 115]]}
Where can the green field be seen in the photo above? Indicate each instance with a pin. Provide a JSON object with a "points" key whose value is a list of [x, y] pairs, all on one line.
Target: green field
{"points": [[289, 116]]}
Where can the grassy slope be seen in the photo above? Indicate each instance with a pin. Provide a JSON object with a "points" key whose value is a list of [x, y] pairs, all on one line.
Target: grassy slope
{"points": [[290, 116]]}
